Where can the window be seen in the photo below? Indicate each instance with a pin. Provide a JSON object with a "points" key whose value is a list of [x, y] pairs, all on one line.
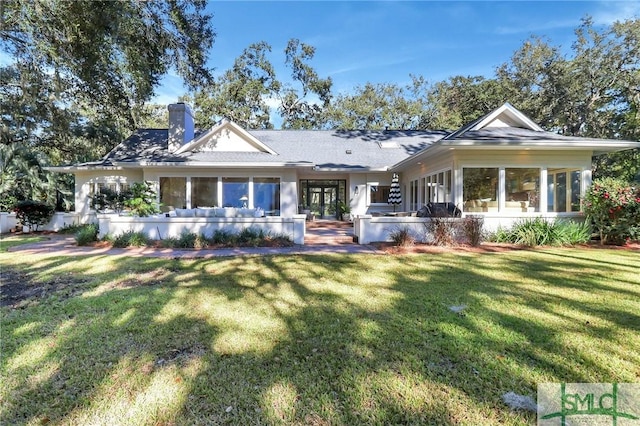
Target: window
{"points": [[173, 192], [234, 190], [575, 190], [438, 187], [522, 186], [266, 195], [480, 189], [204, 192], [563, 190], [107, 193], [380, 194], [413, 202]]}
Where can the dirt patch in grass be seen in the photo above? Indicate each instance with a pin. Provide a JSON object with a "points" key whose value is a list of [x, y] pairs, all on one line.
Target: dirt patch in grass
{"points": [[18, 289]]}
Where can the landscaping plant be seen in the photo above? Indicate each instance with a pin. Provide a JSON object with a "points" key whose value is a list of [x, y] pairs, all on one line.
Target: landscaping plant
{"points": [[442, 230], [613, 206], [542, 232], [86, 234], [33, 213], [473, 229], [402, 237], [129, 239], [143, 200]]}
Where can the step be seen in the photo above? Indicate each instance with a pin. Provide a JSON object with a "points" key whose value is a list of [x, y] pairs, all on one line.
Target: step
{"points": [[335, 240]]}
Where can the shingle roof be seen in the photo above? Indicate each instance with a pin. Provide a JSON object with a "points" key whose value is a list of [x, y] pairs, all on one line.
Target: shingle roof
{"points": [[355, 149], [324, 149]]}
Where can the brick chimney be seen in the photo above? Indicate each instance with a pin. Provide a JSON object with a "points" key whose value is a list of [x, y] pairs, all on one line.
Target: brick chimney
{"points": [[181, 125]]}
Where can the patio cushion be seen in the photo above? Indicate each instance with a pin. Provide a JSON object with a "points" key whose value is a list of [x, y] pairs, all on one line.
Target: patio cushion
{"points": [[205, 212], [185, 212]]}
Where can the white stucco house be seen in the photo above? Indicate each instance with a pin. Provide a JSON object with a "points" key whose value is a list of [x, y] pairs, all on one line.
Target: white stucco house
{"points": [[502, 166]]}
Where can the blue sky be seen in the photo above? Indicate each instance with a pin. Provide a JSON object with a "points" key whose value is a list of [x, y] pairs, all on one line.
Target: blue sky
{"points": [[384, 42]]}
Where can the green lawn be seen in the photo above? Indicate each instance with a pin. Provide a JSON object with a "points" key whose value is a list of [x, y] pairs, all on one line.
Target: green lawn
{"points": [[312, 340]]}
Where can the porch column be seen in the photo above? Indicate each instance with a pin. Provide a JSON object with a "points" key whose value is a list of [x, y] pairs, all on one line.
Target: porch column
{"points": [[188, 193], [502, 184], [543, 190]]}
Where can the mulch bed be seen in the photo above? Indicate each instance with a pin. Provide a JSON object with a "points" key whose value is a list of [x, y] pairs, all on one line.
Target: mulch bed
{"points": [[486, 248]]}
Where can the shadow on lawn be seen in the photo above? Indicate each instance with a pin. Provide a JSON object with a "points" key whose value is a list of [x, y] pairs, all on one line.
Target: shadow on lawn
{"points": [[326, 341]]}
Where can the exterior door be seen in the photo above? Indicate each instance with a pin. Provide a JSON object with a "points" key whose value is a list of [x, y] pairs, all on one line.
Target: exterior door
{"points": [[321, 196], [323, 201]]}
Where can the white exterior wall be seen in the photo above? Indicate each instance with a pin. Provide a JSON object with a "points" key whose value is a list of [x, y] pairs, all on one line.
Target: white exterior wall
{"points": [[159, 227], [357, 193], [59, 220]]}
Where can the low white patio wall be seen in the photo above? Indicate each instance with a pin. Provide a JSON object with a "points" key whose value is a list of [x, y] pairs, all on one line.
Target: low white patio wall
{"points": [[369, 229], [8, 222], [164, 227], [59, 220]]}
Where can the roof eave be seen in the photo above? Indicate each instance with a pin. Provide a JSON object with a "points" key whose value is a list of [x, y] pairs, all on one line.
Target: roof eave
{"points": [[604, 145], [213, 164], [71, 169], [355, 169]]}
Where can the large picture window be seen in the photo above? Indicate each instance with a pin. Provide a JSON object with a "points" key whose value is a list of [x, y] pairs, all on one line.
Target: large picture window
{"points": [[173, 193], [204, 192], [522, 189], [235, 192], [266, 195], [480, 189]]}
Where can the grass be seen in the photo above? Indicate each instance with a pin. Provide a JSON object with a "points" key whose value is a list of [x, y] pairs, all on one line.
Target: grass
{"points": [[331, 339], [7, 242]]}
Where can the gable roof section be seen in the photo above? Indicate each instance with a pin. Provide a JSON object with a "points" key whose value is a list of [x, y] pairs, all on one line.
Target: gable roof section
{"points": [[226, 136], [504, 116], [508, 128]]}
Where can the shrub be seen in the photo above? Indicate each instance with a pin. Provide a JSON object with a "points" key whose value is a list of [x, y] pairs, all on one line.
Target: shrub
{"points": [[280, 240], [72, 228], [570, 233], [33, 213], [143, 200], [540, 232], [613, 206], [402, 237], [186, 240], [251, 237], [220, 236], [472, 228], [86, 234], [442, 230], [169, 242], [201, 242], [108, 199], [130, 239]]}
